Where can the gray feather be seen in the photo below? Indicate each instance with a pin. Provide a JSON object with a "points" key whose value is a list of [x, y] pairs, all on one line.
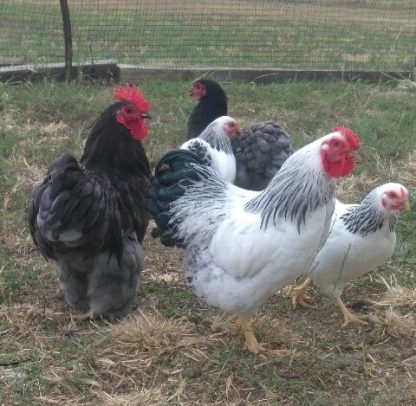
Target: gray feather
{"points": [[260, 152], [366, 217]]}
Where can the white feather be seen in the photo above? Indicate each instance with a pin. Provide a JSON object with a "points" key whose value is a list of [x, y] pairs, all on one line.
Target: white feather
{"points": [[221, 162], [346, 255], [217, 145], [234, 260]]}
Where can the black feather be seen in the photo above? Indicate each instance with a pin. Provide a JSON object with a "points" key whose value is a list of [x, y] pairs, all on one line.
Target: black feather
{"points": [[260, 150], [90, 217], [210, 107], [173, 173]]}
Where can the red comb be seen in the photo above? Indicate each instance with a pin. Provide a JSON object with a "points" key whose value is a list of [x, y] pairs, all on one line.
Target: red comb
{"points": [[351, 136], [133, 95]]}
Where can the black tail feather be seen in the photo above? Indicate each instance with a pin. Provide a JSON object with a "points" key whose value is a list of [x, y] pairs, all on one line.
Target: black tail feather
{"points": [[173, 173]]}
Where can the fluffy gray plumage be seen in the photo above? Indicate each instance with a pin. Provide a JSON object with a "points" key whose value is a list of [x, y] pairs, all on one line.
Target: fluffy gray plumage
{"points": [[260, 151], [90, 218]]}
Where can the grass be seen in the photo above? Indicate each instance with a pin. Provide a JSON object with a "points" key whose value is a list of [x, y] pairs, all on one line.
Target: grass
{"points": [[338, 35], [175, 349]]}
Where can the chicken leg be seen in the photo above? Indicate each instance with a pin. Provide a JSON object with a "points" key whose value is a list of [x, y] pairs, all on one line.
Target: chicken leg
{"points": [[348, 316], [251, 344], [298, 294], [84, 316]]}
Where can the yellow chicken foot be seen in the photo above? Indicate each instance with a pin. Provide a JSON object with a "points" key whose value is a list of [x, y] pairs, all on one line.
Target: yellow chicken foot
{"points": [[251, 344], [298, 294], [84, 316], [348, 316]]}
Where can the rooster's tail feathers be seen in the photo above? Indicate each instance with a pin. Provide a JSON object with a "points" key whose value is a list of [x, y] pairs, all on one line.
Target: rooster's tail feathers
{"points": [[175, 171]]}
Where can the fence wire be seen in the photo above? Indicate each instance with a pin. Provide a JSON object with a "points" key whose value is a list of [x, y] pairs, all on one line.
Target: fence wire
{"points": [[311, 34]]}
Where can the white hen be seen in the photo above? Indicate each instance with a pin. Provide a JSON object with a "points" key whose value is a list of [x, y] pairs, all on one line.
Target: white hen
{"points": [[361, 239], [214, 148], [241, 246]]}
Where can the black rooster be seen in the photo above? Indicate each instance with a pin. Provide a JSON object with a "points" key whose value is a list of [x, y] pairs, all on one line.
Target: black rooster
{"points": [[90, 216], [260, 150]]}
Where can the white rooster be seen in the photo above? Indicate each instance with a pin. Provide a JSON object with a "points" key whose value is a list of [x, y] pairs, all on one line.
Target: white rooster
{"points": [[361, 239], [241, 246]]}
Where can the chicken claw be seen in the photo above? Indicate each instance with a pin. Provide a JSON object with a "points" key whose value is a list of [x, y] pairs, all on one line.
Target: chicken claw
{"points": [[251, 344], [350, 317], [298, 294], [84, 316]]}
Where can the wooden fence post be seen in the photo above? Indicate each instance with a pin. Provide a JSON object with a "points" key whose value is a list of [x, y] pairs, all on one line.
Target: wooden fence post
{"points": [[67, 38]]}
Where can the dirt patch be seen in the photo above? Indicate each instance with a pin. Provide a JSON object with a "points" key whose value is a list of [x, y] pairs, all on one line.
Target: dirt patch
{"points": [[176, 349]]}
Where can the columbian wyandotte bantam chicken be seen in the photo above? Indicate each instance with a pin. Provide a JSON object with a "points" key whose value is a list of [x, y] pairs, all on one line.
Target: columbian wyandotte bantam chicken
{"points": [[241, 246], [260, 150], [213, 146], [361, 238], [90, 216]]}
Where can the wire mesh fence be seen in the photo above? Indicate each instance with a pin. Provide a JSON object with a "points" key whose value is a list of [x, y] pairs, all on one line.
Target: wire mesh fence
{"points": [[310, 34]]}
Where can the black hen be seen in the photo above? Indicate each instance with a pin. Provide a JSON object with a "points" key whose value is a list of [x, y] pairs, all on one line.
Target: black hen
{"points": [[260, 150], [212, 103], [90, 216]]}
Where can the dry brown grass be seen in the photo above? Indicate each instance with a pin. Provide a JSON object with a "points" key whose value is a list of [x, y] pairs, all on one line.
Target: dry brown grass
{"points": [[396, 295], [149, 334], [138, 396], [185, 352], [397, 324]]}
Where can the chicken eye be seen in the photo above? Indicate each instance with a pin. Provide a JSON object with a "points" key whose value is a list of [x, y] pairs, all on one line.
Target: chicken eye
{"points": [[392, 195], [128, 110], [336, 143]]}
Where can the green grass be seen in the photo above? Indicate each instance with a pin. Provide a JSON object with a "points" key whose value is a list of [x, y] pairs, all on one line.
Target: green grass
{"points": [[54, 359], [271, 35]]}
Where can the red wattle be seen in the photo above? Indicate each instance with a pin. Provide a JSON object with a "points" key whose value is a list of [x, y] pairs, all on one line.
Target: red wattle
{"points": [[138, 129], [339, 168]]}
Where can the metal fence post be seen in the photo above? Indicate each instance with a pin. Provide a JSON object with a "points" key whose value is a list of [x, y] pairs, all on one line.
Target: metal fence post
{"points": [[67, 38]]}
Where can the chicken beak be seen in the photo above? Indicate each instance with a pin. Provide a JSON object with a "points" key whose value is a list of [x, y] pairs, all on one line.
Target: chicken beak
{"points": [[357, 157], [406, 206]]}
